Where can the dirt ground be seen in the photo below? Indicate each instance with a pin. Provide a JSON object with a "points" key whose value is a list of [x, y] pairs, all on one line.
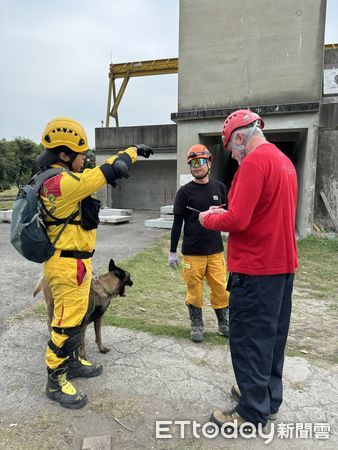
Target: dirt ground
{"points": [[146, 378]]}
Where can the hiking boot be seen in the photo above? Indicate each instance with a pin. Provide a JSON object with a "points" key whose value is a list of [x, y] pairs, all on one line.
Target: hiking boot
{"points": [[236, 393], [231, 417], [223, 321], [197, 326], [62, 391], [80, 368], [231, 420]]}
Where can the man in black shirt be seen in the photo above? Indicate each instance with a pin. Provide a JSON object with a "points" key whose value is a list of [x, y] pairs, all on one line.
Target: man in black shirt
{"points": [[202, 249]]}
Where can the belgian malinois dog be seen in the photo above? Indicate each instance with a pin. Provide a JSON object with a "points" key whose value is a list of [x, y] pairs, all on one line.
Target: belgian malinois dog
{"points": [[102, 289]]}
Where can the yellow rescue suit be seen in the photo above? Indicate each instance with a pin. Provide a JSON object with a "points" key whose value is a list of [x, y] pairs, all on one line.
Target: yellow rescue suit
{"points": [[69, 278], [213, 268]]}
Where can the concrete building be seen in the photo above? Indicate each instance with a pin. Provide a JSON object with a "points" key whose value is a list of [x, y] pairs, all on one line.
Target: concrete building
{"points": [[152, 181], [263, 55]]}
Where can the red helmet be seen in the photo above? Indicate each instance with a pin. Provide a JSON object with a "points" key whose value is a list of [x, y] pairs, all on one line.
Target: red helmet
{"points": [[198, 151], [238, 119]]}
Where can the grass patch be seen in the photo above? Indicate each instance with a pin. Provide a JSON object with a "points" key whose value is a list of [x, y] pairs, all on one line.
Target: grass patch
{"points": [[318, 267], [12, 191], [314, 320], [156, 301], [7, 204]]}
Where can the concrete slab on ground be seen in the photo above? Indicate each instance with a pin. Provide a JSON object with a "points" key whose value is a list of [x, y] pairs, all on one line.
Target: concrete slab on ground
{"points": [[6, 216], [114, 219], [159, 223], [168, 209], [115, 212]]}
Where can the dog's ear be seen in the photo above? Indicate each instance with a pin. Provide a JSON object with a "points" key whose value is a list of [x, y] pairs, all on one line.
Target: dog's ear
{"points": [[111, 265]]}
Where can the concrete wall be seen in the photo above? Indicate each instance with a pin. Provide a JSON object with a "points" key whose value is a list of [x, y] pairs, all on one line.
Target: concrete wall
{"points": [[161, 137], [151, 185], [327, 178], [327, 165], [327, 161], [250, 53], [152, 182]]}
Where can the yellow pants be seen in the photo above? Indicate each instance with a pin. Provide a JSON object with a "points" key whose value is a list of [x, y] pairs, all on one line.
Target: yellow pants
{"points": [[213, 268], [69, 280]]}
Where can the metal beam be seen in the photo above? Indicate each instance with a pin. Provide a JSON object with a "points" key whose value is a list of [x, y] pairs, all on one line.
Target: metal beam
{"points": [[134, 69], [144, 68], [117, 100], [330, 46]]}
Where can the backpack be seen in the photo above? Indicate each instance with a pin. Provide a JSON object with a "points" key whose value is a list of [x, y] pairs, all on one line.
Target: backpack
{"points": [[28, 231]]}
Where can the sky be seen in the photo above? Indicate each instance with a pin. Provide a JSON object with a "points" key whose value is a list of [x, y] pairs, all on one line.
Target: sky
{"points": [[55, 60]]}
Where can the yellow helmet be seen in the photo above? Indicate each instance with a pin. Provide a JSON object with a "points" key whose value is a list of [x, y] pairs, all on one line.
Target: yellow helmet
{"points": [[65, 131]]}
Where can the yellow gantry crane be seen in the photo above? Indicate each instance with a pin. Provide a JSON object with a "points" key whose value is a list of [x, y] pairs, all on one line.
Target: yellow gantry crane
{"points": [[134, 69]]}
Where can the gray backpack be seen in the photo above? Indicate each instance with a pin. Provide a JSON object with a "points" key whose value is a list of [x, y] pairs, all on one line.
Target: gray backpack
{"points": [[28, 232]]}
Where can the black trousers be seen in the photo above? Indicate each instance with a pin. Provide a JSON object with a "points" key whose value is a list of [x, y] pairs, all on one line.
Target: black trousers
{"points": [[260, 309]]}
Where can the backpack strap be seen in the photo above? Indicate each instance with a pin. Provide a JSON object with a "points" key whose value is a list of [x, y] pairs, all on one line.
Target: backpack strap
{"points": [[39, 178], [37, 181], [56, 220], [65, 223]]}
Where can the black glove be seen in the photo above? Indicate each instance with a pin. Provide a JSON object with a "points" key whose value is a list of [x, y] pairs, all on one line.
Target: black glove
{"points": [[144, 150]]}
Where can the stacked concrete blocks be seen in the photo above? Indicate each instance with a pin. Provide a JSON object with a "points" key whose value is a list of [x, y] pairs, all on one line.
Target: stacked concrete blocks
{"points": [[112, 215], [165, 221]]}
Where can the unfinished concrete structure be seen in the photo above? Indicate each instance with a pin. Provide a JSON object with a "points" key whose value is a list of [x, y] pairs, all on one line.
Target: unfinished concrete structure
{"points": [[262, 55], [327, 156], [152, 181]]}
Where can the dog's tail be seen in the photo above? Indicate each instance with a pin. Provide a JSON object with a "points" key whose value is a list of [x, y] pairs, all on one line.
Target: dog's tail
{"points": [[38, 287]]}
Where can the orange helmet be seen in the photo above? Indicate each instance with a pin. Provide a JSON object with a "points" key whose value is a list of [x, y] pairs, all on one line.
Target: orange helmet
{"points": [[238, 119], [198, 151]]}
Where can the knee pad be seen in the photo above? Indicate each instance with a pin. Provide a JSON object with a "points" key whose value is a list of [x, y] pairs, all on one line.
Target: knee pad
{"points": [[70, 345]]}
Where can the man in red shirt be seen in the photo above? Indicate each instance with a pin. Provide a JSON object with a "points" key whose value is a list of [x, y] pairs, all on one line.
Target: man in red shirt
{"points": [[262, 257]]}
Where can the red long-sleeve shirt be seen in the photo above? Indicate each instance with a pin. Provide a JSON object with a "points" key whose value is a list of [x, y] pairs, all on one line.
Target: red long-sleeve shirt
{"points": [[261, 214]]}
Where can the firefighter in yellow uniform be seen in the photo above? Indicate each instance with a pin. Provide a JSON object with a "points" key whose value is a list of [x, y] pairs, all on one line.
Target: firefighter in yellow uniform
{"points": [[71, 218], [202, 250]]}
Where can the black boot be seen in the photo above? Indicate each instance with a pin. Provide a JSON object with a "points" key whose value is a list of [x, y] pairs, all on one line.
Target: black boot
{"points": [[80, 368], [223, 321], [197, 325], [62, 391]]}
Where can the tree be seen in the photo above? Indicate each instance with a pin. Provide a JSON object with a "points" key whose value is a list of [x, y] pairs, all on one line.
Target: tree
{"points": [[22, 155], [5, 181], [18, 161]]}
